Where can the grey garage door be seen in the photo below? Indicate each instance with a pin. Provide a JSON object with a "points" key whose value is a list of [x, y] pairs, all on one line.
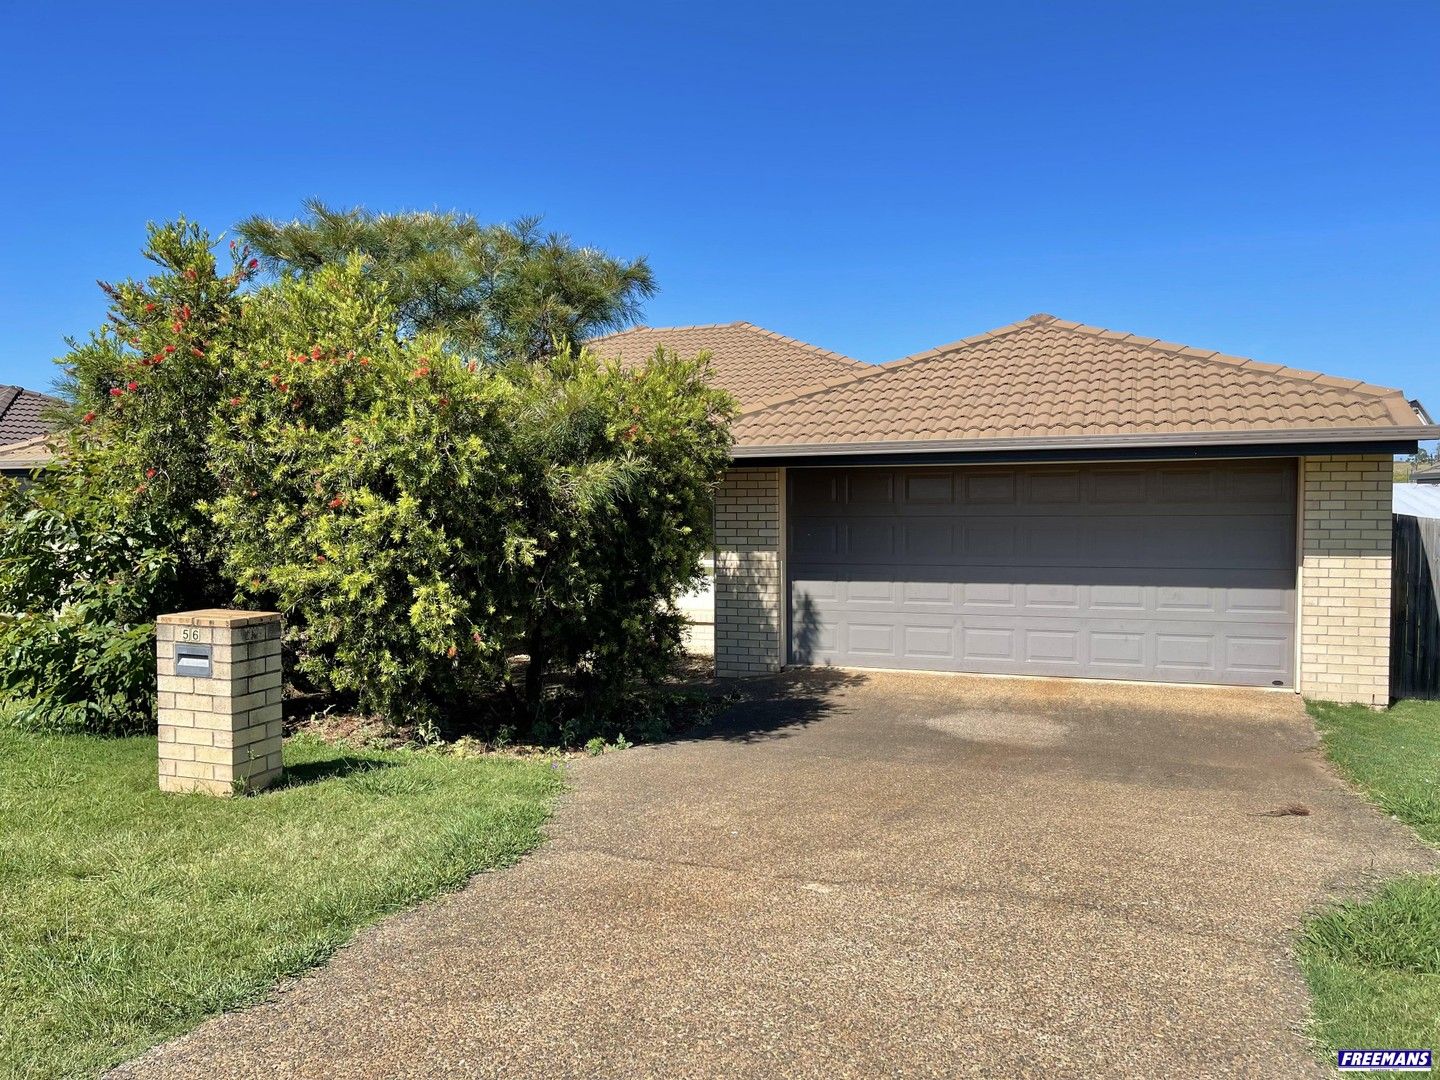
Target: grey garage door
{"points": [[1179, 572]]}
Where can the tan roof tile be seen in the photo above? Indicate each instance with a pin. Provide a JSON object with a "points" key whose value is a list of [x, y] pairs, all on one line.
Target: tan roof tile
{"points": [[753, 364], [1046, 378]]}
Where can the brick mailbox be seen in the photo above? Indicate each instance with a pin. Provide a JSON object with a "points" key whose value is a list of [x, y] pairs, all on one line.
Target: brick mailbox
{"points": [[219, 689]]}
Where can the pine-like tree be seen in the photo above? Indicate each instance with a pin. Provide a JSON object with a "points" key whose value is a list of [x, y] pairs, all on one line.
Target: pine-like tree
{"points": [[497, 292]]}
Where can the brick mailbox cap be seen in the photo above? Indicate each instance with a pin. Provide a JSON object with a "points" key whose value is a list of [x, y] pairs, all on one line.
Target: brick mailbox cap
{"points": [[218, 617]]}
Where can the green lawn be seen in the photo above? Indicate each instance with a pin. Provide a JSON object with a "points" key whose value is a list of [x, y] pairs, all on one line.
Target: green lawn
{"points": [[127, 916], [1374, 967]]}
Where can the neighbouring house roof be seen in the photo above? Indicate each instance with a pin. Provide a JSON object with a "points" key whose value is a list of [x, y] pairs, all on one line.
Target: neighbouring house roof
{"points": [[1046, 382], [752, 363], [1426, 476], [24, 427], [22, 413], [1417, 500]]}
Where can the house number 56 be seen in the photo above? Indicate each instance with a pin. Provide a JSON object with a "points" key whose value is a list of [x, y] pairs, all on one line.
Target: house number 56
{"points": [[189, 633]]}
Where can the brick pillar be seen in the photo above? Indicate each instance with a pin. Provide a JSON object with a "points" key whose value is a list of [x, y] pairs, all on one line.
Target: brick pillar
{"points": [[219, 700], [1345, 578], [749, 572]]}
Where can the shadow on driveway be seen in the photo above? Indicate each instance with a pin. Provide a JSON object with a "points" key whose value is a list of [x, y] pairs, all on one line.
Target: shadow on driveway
{"points": [[776, 707]]}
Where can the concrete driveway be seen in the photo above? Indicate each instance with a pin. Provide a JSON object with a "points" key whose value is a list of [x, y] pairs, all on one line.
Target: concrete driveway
{"points": [[865, 875]]}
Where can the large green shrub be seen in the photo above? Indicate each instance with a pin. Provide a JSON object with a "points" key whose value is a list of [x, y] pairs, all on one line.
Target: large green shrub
{"points": [[111, 535], [81, 579], [360, 488], [623, 466], [145, 385], [423, 519]]}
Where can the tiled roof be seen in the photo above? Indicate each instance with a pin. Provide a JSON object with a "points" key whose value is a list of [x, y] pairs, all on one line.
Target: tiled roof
{"points": [[1048, 380], [21, 413], [752, 363]]}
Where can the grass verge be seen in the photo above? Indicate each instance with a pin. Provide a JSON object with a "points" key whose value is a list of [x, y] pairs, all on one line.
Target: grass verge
{"points": [[127, 916], [1374, 966]]}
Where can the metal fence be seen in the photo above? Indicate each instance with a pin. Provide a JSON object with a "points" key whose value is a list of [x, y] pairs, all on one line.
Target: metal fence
{"points": [[1415, 608]]}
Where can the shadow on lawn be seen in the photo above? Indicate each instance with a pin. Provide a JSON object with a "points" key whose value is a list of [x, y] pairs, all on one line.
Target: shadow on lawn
{"points": [[775, 706], [312, 772]]}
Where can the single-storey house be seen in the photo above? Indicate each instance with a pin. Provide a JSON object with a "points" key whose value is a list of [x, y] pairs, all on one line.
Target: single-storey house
{"points": [[1426, 476], [1050, 498]]}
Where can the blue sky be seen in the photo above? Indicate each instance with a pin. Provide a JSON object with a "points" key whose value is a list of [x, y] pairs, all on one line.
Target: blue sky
{"points": [[1262, 178]]}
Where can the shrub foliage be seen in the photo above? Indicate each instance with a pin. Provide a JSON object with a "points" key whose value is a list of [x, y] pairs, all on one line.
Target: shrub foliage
{"points": [[422, 516]]}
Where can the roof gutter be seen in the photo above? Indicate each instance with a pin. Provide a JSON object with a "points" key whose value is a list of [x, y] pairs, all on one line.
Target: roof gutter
{"points": [[1081, 443]]}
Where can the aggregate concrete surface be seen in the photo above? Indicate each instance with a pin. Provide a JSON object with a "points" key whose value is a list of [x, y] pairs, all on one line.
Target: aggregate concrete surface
{"points": [[870, 874]]}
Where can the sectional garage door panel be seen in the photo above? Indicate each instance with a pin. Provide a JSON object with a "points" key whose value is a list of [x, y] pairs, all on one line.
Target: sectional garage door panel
{"points": [[1176, 573]]}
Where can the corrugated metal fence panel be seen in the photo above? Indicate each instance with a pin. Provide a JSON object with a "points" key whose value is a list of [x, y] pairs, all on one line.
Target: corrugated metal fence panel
{"points": [[1417, 500], [1415, 608]]}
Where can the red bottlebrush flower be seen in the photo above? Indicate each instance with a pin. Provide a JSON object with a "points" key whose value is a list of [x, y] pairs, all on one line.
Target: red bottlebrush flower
{"points": [[475, 636], [356, 439], [336, 503], [365, 360], [195, 350], [132, 385], [149, 307], [420, 373], [451, 652], [115, 391], [190, 275], [316, 353], [177, 326], [88, 418], [321, 558], [185, 312], [472, 366], [150, 474], [161, 355], [140, 489], [444, 401], [253, 263], [169, 349], [235, 401], [350, 355]]}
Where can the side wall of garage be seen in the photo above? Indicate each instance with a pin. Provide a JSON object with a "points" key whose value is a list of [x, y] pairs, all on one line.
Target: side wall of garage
{"points": [[749, 572], [1345, 578]]}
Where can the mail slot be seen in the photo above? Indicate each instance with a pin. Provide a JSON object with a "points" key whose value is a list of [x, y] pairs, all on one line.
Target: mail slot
{"points": [[192, 661]]}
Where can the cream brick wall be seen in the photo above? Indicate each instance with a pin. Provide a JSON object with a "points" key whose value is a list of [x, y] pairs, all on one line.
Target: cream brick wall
{"points": [[1345, 578], [222, 734], [749, 572]]}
